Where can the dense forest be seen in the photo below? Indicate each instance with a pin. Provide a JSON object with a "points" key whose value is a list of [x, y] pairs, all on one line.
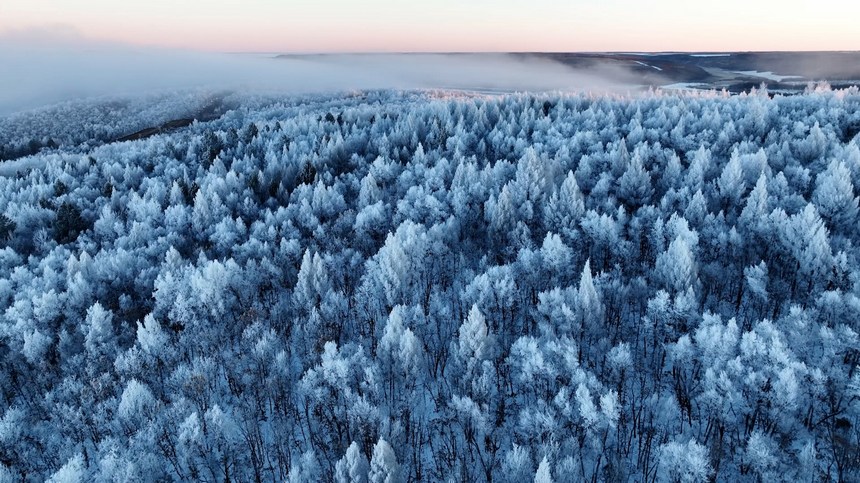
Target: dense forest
{"points": [[426, 286]]}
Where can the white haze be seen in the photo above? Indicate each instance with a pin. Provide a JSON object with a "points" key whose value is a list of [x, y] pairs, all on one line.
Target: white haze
{"points": [[52, 65]]}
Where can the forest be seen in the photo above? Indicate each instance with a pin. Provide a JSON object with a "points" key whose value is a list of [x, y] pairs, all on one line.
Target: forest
{"points": [[404, 286]]}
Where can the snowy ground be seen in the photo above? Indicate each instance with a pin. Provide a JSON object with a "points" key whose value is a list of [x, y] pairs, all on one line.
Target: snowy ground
{"points": [[684, 86], [648, 65], [768, 75]]}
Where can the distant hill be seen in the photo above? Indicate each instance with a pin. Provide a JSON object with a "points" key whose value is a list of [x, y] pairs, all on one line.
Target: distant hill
{"points": [[783, 72], [734, 71]]}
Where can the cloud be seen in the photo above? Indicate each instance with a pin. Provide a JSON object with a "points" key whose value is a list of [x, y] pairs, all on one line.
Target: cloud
{"points": [[43, 36], [56, 63]]}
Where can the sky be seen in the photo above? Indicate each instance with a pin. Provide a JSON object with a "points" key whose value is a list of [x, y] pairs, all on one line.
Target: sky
{"points": [[308, 26]]}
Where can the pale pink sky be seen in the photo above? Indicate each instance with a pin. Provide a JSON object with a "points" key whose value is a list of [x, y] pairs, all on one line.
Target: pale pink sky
{"points": [[448, 25]]}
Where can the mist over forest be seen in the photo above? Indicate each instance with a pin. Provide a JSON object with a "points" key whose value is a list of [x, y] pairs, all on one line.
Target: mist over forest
{"points": [[59, 66]]}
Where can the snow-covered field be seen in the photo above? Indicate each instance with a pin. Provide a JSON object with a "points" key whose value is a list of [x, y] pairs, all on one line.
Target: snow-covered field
{"points": [[648, 65], [767, 75], [681, 86], [433, 286]]}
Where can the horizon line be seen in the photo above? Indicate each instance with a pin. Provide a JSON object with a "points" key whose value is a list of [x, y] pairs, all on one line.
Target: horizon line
{"points": [[582, 52]]}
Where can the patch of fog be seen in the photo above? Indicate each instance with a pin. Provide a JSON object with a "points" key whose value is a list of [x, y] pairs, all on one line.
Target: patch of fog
{"points": [[40, 70], [767, 75]]}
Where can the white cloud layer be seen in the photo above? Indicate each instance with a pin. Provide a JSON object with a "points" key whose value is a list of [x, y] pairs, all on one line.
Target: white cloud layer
{"points": [[55, 64]]}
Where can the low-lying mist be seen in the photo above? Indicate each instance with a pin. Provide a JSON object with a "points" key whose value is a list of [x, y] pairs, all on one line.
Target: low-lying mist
{"points": [[44, 67]]}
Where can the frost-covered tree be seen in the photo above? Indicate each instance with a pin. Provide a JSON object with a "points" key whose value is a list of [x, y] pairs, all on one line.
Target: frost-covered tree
{"points": [[731, 182], [353, 467], [634, 186], [383, 465], [834, 197], [684, 463], [413, 286], [676, 267]]}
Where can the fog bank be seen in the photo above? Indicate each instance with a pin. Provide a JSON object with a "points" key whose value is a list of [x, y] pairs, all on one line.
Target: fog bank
{"points": [[49, 66]]}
